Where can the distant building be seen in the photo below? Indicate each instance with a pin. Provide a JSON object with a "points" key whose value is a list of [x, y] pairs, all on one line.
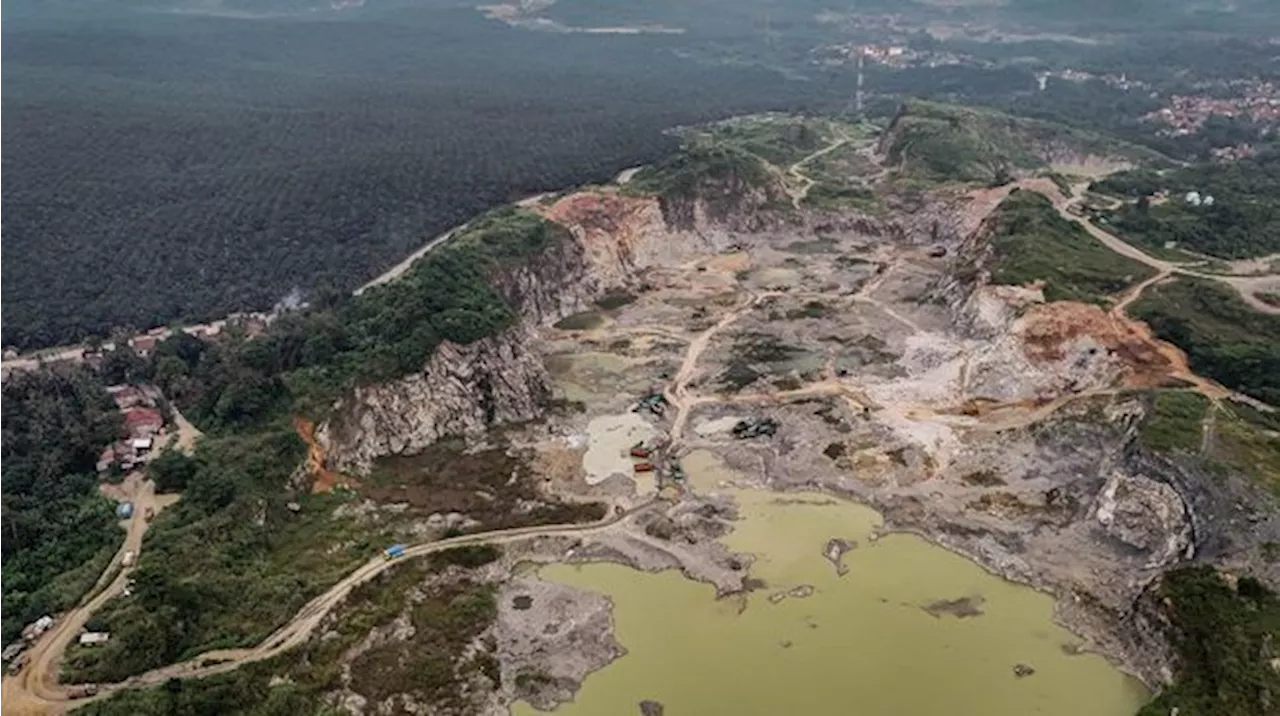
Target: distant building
{"points": [[144, 345], [143, 422], [93, 638]]}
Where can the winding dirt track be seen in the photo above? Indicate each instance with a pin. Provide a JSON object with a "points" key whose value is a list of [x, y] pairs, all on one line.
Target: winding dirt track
{"points": [[807, 182], [1246, 286], [32, 689], [35, 690]]}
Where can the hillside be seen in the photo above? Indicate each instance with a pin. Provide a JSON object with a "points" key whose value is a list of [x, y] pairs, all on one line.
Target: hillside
{"points": [[1032, 244], [936, 142], [1241, 220], [1224, 338]]}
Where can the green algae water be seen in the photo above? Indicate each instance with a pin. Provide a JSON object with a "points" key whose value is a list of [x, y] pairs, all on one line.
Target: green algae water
{"points": [[909, 630]]}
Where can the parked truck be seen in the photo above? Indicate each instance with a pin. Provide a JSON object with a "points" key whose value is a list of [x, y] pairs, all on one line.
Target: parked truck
{"points": [[395, 551], [82, 691]]}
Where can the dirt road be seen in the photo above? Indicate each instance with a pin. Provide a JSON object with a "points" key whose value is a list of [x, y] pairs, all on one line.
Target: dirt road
{"points": [[187, 433], [36, 691], [1246, 286], [678, 395], [33, 689], [806, 182]]}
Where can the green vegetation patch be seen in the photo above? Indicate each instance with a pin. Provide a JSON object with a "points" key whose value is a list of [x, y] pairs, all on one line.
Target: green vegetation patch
{"points": [[59, 533], [1175, 422], [943, 143], [1248, 442], [229, 562], [1224, 642], [1241, 221], [1031, 242], [447, 608], [307, 360], [779, 140], [495, 486], [832, 196], [1223, 337], [585, 321], [614, 299], [687, 173]]}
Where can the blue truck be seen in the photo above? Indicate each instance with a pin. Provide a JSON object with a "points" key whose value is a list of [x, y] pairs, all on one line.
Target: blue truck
{"points": [[395, 551]]}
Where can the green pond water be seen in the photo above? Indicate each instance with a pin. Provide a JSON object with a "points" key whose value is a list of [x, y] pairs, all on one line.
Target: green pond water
{"points": [[861, 644]]}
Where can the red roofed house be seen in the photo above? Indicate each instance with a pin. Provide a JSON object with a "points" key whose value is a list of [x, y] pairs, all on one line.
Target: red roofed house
{"points": [[143, 422], [144, 344]]}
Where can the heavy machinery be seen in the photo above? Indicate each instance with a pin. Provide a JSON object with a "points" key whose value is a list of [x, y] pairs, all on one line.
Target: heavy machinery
{"points": [[674, 471], [655, 403], [754, 428]]}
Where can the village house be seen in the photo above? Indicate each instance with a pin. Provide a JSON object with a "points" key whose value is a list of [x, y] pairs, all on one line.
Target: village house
{"points": [[144, 345], [143, 422], [93, 638]]}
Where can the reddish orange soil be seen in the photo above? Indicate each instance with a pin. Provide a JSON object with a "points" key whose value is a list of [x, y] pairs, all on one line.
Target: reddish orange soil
{"points": [[322, 479], [606, 220], [1150, 362]]}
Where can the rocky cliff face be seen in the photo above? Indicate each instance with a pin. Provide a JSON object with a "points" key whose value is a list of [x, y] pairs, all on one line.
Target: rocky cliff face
{"points": [[1234, 523], [462, 390], [467, 389]]}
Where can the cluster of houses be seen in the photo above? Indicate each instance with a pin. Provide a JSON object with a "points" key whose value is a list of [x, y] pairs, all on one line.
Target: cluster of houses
{"points": [[1255, 100], [250, 325], [143, 422]]}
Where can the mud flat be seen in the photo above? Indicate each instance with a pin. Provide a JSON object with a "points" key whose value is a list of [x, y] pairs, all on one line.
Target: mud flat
{"points": [[877, 630], [592, 376], [609, 438]]}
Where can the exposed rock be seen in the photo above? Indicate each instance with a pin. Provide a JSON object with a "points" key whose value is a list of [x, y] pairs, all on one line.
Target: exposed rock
{"points": [[834, 553], [801, 591], [548, 648], [1023, 670], [651, 708], [463, 390], [961, 608], [662, 527], [353, 703], [1146, 515]]}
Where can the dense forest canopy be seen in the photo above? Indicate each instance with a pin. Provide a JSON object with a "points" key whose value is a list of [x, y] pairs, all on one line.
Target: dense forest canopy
{"points": [[185, 167], [55, 425], [308, 358], [180, 166]]}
